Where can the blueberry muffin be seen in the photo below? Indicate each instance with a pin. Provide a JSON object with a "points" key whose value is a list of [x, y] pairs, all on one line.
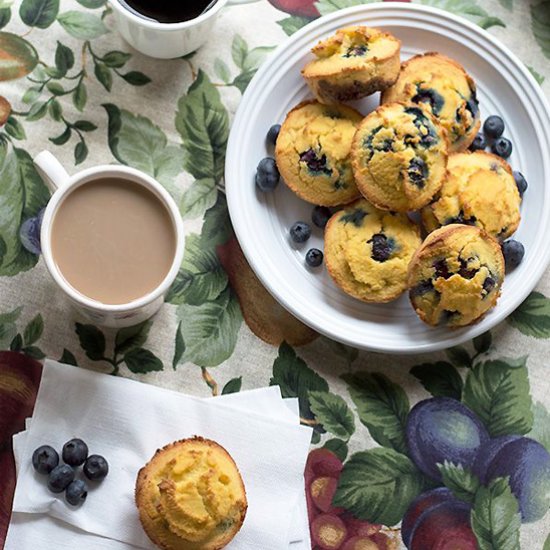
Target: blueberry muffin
{"points": [[399, 157], [313, 152], [353, 63], [455, 276], [191, 495], [479, 190], [368, 251], [444, 87]]}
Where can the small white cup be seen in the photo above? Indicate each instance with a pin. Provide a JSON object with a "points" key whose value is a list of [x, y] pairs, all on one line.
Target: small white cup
{"points": [[167, 40], [61, 184]]}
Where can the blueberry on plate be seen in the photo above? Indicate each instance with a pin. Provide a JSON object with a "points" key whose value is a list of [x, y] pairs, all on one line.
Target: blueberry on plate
{"points": [[314, 257], [300, 232], [267, 174], [521, 182], [494, 127], [75, 452], [45, 459], [513, 252], [96, 467], [273, 134], [320, 216], [479, 143], [76, 492], [502, 147], [60, 477]]}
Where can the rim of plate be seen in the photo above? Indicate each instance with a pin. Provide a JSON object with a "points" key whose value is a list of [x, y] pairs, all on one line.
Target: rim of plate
{"points": [[504, 61]]}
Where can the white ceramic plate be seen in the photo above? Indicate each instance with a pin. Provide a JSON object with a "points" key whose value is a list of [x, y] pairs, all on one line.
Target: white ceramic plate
{"points": [[262, 220]]}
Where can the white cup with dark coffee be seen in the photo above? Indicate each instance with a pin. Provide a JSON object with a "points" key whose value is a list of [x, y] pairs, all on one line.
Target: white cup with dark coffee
{"points": [[166, 29], [112, 239]]}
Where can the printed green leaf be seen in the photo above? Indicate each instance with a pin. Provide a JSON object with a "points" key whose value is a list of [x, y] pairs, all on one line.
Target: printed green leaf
{"points": [[92, 341], [64, 58], [203, 124], [498, 392], [255, 57], [31, 95], [233, 386], [547, 543], [134, 140], [85, 126], [333, 413], [198, 198], [142, 361], [18, 57], [441, 379], [488, 22], [210, 330], [482, 343], [136, 78], [293, 23], [462, 483], [92, 4], [217, 228], [62, 138], [23, 195], [55, 88], [538, 77], [81, 25], [467, 8], [34, 352], [328, 6], [80, 96], [103, 75], [296, 379], [382, 407], [222, 70], [17, 343], [37, 111], [338, 447], [33, 330], [243, 80], [315, 437], [532, 317], [541, 426], [508, 4], [348, 353], [132, 337], [378, 485], [179, 347], [495, 517], [80, 152], [116, 59], [540, 22], [8, 328], [55, 110], [39, 13], [5, 16], [239, 50], [459, 357], [14, 128], [201, 277], [68, 358]]}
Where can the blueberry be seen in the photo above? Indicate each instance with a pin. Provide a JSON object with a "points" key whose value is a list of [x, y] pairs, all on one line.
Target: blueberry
{"points": [[382, 247], [300, 232], [273, 134], [320, 216], [75, 452], [494, 127], [60, 477], [513, 252], [96, 467], [76, 492], [45, 459], [521, 182], [267, 174], [479, 143], [502, 147], [314, 257]]}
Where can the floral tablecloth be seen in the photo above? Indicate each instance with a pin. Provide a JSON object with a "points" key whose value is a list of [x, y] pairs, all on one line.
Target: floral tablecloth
{"points": [[69, 83]]}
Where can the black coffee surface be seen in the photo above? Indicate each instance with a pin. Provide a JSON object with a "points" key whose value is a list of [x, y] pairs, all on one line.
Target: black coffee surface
{"points": [[166, 11]]}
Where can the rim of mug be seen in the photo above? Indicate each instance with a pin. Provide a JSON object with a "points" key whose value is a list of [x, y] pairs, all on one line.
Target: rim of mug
{"points": [[91, 174], [116, 5]]}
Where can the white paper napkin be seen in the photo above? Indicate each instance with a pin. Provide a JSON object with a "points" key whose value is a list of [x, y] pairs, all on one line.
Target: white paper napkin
{"points": [[127, 421]]}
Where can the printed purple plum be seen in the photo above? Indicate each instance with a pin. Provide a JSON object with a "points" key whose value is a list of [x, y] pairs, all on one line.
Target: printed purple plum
{"points": [[527, 463], [418, 506], [440, 429], [487, 452], [445, 526]]}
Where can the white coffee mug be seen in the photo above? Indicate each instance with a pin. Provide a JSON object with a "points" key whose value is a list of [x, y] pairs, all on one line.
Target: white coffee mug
{"points": [[62, 185], [167, 40]]}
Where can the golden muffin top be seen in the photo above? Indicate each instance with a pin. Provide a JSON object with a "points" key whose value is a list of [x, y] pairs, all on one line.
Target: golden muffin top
{"points": [[442, 86]]}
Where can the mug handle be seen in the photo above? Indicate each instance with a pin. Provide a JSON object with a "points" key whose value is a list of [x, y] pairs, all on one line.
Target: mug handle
{"points": [[51, 170]]}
